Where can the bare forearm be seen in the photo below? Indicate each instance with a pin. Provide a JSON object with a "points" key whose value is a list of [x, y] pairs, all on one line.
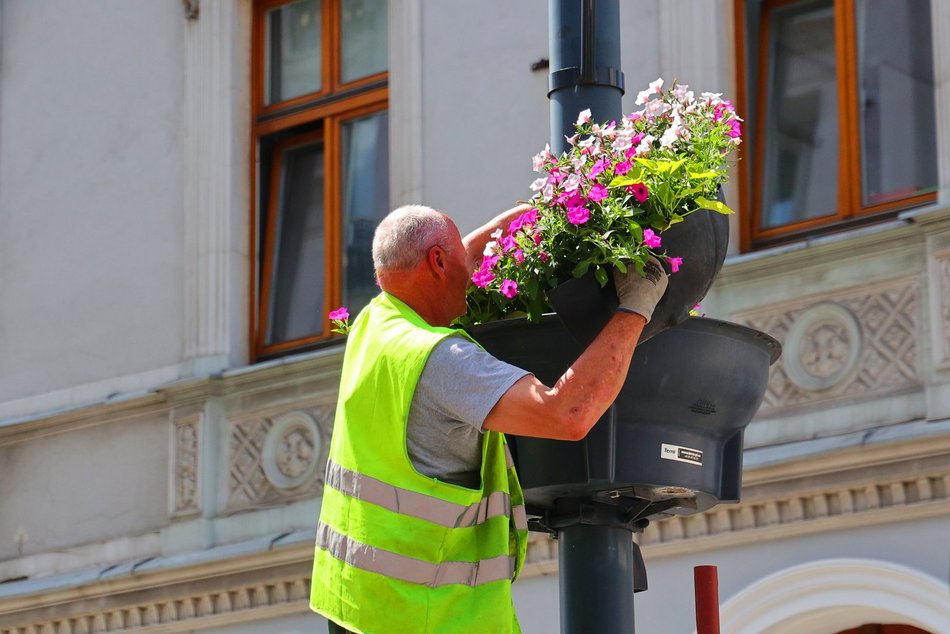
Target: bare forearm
{"points": [[576, 402], [593, 382]]}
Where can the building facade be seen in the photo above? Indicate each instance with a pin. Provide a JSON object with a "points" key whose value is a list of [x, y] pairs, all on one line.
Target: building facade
{"points": [[188, 187]]}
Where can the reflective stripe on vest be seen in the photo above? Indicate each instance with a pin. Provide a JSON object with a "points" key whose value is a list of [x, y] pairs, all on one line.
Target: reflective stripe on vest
{"points": [[419, 505], [396, 566]]}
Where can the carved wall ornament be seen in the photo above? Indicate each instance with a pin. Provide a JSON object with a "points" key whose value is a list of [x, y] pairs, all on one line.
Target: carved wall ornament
{"points": [[277, 458], [943, 336], [840, 345], [822, 347], [186, 444], [292, 450]]}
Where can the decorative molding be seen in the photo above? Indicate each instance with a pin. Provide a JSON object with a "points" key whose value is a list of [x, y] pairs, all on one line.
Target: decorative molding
{"points": [[184, 613], [186, 443], [216, 104], [291, 450], [834, 595], [942, 326], [274, 458], [406, 105], [887, 362], [822, 347], [801, 513]]}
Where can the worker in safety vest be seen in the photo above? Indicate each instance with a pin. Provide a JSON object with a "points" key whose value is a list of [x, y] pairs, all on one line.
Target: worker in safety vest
{"points": [[423, 526]]}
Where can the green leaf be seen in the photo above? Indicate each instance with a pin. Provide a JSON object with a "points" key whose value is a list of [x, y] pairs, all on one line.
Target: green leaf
{"points": [[715, 205], [622, 181], [601, 276], [581, 268]]}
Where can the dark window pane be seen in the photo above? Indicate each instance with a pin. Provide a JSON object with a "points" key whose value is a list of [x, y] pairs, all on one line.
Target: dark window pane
{"points": [[895, 62], [364, 27], [293, 63], [801, 156], [365, 202], [296, 307]]}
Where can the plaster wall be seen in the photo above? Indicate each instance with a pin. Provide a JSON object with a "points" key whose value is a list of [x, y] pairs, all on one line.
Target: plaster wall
{"points": [[91, 258], [90, 485]]}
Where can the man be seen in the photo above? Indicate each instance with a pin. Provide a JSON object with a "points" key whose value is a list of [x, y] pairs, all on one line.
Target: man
{"points": [[422, 527]]}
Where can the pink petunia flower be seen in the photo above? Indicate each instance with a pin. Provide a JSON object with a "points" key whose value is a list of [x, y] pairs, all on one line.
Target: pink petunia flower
{"points": [[639, 191], [599, 166], [518, 255], [623, 167], [508, 243], [509, 288], [482, 278], [597, 193], [675, 264], [735, 129], [578, 215], [651, 239], [340, 314]]}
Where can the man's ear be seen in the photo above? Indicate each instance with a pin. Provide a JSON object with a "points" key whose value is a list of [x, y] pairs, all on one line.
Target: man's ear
{"points": [[437, 260]]}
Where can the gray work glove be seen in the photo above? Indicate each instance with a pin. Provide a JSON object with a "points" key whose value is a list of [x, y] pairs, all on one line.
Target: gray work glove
{"points": [[640, 293]]}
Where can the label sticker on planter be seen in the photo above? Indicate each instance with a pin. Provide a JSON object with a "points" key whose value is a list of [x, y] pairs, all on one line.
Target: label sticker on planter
{"points": [[681, 454]]}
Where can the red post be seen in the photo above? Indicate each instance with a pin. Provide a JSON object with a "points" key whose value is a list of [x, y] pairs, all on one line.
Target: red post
{"points": [[706, 582]]}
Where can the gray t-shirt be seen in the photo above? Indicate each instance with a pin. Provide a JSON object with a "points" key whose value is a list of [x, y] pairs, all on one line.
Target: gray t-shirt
{"points": [[459, 386]]}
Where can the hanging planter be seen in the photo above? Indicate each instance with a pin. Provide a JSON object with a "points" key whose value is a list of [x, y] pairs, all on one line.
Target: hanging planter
{"points": [[646, 186], [691, 390]]}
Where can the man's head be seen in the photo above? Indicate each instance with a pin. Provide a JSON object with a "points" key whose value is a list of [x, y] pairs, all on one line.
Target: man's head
{"points": [[419, 257]]}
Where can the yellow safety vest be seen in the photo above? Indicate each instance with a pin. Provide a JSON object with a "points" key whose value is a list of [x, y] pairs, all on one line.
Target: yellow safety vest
{"points": [[398, 551]]}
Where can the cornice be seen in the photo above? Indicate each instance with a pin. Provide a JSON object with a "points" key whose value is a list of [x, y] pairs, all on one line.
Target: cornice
{"points": [[878, 241]]}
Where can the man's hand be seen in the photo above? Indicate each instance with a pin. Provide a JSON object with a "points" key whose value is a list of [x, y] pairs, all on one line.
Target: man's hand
{"points": [[640, 293]]}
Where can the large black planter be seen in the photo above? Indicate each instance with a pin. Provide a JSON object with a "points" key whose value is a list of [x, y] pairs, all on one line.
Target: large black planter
{"points": [[671, 442], [701, 240]]}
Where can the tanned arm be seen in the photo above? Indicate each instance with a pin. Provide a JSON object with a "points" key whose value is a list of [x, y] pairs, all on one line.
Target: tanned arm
{"points": [[569, 409], [475, 241]]}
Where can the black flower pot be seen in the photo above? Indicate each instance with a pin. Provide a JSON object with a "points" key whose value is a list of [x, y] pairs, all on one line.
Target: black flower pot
{"points": [[672, 440], [701, 240]]}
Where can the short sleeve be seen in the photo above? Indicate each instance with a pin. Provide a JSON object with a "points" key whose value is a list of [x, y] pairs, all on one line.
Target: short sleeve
{"points": [[463, 382]]}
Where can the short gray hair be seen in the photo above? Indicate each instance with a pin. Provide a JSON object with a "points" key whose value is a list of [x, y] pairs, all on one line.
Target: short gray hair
{"points": [[405, 235]]}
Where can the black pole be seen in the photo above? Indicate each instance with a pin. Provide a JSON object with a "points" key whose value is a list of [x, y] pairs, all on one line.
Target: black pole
{"points": [[585, 61], [597, 566], [596, 561]]}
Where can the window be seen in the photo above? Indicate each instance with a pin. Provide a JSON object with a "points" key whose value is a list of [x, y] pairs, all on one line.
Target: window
{"points": [[321, 168], [840, 114]]}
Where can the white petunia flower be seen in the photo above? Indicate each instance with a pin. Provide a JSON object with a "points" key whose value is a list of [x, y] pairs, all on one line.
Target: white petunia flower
{"points": [[583, 117]]}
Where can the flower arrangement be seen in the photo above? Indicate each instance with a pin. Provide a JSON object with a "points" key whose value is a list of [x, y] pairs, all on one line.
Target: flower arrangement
{"points": [[606, 201]]}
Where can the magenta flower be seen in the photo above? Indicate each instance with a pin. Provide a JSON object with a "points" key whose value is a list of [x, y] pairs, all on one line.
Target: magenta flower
{"points": [[529, 218], [544, 256], [597, 193], [340, 314], [578, 215], [489, 261], [482, 278], [509, 288], [675, 264], [735, 129], [508, 243], [518, 255], [639, 191], [651, 239], [623, 167], [598, 167]]}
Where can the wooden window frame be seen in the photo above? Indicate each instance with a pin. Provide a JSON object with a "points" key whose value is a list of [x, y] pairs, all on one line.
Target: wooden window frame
{"points": [[850, 210], [333, 105]]}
